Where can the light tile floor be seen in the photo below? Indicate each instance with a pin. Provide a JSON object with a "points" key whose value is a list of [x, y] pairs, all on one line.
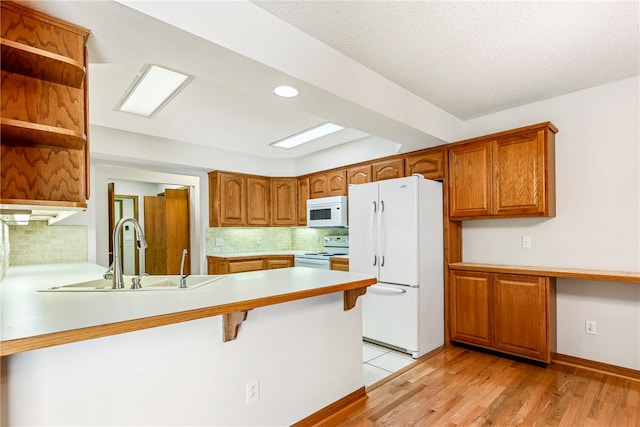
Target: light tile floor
{"points": [[380, 362]]}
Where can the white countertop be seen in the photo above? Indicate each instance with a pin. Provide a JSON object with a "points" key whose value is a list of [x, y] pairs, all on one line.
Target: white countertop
{"points": [[27, 313], [262, 253]]}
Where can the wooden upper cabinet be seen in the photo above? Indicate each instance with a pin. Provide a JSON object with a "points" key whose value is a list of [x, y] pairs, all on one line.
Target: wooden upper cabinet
{"points": [[387, 169], [317, 185], [258, 201], [330, 183], [227, 199], [302, 197], [509, 174], [337, 183], [470, 180], [283, 201], [522, 180], [429, 164], [44, 152], [359, 174]]}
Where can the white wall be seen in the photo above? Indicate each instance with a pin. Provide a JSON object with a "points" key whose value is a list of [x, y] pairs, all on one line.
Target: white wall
{"points": [[306, 354], [597, 224]]}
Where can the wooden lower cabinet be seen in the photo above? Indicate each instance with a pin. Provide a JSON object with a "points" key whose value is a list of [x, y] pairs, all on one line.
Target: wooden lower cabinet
{"points": [[507, 313], [229, 265], [338, 263]]}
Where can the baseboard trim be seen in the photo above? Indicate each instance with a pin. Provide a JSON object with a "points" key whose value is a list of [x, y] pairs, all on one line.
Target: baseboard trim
{"points": [[357, 396], [618, 371]]}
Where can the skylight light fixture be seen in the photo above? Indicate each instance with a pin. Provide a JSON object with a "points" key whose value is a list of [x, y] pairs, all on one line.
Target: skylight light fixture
{"points": [[152, 89], [307, 135]]}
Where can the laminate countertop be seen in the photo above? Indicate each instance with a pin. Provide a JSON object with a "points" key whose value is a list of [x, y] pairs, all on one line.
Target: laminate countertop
{"points": [[32, 319]]}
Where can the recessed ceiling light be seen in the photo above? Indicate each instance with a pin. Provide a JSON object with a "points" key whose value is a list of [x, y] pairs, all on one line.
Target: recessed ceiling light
{"points": [[152, 89], [307, 135], [286, 91]]}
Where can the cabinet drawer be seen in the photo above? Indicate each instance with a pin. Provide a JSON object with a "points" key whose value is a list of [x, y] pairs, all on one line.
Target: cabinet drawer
{"points": [[242, 266]]}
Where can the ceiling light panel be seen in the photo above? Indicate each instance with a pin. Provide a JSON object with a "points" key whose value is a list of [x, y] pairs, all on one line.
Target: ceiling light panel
{"points": [[152, 90], [308, 135]]}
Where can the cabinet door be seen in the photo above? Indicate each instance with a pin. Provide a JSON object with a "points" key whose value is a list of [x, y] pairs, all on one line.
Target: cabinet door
{"points": [[470, 307], [271, 263], [470, 180], [521, 315], [359, 175], [337, 183], [388, 169], [519, 174], [340, 264], [240, 266], [283, 201], [302, 196], [232, 199], [317, 186], [429, 164], [258, 206]]}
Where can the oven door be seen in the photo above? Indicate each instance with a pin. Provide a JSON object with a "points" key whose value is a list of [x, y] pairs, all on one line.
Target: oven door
{"points": [[322, 264]]}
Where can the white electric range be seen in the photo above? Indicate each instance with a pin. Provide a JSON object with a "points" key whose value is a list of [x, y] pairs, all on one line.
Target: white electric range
{"points": [[332, 246]]}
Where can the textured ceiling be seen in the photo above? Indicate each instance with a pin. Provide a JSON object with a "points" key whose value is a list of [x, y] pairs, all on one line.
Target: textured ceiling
{"points": [[476, 58], [401, 75]]}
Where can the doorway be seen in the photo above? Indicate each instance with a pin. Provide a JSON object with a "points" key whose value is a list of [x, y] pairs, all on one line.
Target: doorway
{"points": [[127, 206]]}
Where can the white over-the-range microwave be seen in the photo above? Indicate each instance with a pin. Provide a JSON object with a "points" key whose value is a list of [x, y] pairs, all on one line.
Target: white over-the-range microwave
{"points": [[327, 212]]}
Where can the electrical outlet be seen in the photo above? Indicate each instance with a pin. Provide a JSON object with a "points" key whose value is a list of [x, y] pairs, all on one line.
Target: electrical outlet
{"points": [[259, 239], [219, 241], [526, 241], [590, 327], [253, 391]]}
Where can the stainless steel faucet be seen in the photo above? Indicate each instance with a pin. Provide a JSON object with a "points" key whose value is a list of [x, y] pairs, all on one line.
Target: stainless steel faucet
{"points": [[117, 261]]}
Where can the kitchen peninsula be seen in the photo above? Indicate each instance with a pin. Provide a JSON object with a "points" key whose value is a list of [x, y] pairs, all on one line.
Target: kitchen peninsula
{"points": [[300, 343]]}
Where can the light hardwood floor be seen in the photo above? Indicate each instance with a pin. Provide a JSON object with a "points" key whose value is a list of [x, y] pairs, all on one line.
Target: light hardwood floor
{"points": [[462, 387]]}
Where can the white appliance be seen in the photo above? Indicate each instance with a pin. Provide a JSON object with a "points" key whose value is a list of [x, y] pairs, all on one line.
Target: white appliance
{"points": [[332, 246], [395, 227], [327, 212]]}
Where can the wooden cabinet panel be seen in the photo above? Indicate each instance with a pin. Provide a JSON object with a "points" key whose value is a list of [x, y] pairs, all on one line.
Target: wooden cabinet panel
{"points": [[387, 169], [519, 174], [227, 199], [220, 265], [507, 313], [359, 174], [470, 180], [470, 308], [258, 201], [302, 196], [521, 317], [325, 184], [283, 201], [429, 164], [505, 175], [273, 262], [337, 183], [43, 120], [317, 186], [340, 264]]}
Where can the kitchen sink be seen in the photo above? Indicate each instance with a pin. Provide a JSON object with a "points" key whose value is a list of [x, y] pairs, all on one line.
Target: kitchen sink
{"points": [[148, 283]]}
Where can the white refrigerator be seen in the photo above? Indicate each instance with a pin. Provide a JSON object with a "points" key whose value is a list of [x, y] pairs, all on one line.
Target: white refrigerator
{"points": [[395, 233]]}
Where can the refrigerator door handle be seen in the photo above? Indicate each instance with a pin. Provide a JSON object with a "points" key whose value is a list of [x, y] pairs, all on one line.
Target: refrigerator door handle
{"points": [[383, 289]]}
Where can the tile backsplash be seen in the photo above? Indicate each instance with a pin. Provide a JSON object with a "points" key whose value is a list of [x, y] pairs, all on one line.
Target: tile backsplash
{"points": [[265, 239], [39, 243]]}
